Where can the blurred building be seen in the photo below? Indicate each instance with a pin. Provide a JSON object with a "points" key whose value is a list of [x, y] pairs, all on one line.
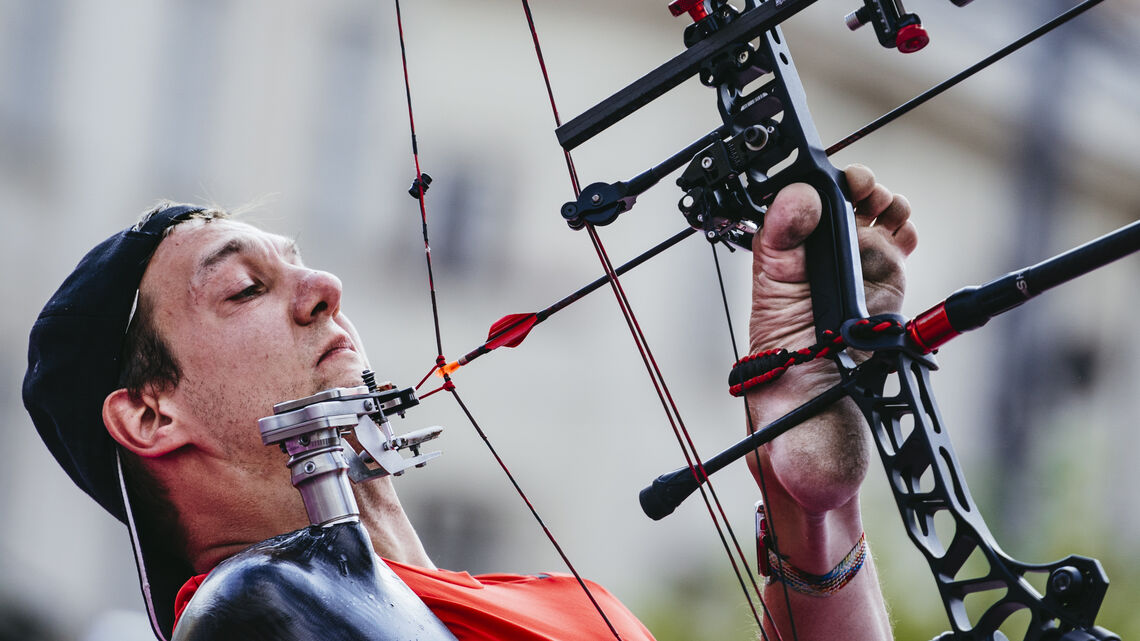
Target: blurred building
{"points": [[299, 107]]}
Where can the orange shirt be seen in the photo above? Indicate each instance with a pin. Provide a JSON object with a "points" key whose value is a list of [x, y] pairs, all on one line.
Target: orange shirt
{"points": [[494, 607], [520, 608]]}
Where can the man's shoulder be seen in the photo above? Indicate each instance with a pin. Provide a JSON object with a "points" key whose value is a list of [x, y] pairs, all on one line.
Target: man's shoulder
{"points": [[315, 583]]}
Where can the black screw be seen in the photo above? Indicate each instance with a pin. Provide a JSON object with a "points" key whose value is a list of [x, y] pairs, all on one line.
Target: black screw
{"points": [[369, 379], [1066, 582]]}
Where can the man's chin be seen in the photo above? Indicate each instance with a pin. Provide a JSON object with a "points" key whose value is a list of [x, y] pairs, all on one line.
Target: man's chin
{"points": [[348, 373]]}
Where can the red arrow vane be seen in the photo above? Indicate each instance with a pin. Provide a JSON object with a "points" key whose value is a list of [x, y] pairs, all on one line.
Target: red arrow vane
{"points": [[512, 329]]}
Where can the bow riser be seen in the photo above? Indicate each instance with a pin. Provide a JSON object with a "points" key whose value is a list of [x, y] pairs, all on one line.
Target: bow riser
{"points": [[780, 104]]}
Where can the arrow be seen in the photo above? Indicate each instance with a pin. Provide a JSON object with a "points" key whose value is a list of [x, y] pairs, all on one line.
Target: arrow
{"points": [[512, 329]]}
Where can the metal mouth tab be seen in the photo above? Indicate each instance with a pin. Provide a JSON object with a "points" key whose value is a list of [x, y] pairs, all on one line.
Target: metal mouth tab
{"points": [[312, 429]]}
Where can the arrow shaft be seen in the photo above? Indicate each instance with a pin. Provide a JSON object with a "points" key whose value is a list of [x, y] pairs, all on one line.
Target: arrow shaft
{"points": [[491, 341], [621, 269]]}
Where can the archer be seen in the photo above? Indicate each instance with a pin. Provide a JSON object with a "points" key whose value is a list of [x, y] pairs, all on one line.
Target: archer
{"points": [[229, 321]]}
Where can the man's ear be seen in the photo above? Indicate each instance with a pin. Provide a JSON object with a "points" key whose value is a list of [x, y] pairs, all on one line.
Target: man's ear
{"points": [[142, 423]]}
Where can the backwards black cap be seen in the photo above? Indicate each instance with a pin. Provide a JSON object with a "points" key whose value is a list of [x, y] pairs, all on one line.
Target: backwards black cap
{"points": [[74, 362]]}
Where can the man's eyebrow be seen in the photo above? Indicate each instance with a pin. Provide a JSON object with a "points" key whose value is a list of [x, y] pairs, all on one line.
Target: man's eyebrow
{"points": [[211, 260], [237, 246], [291, 249]]}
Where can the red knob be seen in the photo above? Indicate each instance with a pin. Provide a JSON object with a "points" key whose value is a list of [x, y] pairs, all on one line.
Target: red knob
{"points": [[911, 38], [695, 8]]}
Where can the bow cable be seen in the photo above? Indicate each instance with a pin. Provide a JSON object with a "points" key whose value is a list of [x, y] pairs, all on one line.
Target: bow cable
{"points": [[440, 360], [419, 184], [681, 433], [774, 540]]}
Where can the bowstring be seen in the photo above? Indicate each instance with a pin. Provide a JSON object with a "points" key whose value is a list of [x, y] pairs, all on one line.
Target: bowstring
{"points": [[419, 182], [448, 384], [755, 453], [684, 439]]}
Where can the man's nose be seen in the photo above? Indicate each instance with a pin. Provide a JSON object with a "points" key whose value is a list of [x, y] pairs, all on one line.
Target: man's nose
{"points": [[318, 293]]}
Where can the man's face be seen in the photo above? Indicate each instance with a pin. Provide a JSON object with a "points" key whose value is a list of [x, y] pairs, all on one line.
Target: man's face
{"points": [[250, 326]]}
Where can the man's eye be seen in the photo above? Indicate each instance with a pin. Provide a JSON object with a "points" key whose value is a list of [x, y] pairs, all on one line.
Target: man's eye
{"points": [[248, 292]]}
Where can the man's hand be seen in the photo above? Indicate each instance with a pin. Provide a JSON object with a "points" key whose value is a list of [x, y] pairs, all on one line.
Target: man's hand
{"points": [[820, 464], [813, 472]]}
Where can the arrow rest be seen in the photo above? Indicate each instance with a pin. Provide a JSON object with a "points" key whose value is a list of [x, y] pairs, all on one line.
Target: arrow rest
{"points": [[767, 141], [773, 143]]}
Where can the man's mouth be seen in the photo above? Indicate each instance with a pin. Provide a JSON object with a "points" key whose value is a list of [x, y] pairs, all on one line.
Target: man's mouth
{"points": [[338, 346]]}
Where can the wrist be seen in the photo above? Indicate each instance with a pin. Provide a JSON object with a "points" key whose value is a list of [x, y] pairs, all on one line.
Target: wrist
{"points": [[777, 566]]}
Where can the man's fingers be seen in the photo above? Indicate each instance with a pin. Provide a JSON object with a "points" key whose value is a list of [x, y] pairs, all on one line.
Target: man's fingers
{"points": [[876, 202], [860, 182], [906, 237], [894, 215]]}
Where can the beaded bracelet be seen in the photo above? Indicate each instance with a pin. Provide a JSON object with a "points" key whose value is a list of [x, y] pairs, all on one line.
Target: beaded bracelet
{"points": [[777, 568]]}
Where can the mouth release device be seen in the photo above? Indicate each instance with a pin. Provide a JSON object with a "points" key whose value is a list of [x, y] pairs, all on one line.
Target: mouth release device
{"points": [[311, 431]]}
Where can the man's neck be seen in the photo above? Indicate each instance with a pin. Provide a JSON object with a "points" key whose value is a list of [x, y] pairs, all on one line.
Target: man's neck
{"points": [[220, 522], [389, 528]]}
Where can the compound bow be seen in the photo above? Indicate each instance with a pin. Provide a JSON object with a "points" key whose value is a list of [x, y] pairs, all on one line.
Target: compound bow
{"points": [[766, 140]]}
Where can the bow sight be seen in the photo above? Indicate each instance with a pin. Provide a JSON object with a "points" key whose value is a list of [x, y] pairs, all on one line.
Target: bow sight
{"points": [[311, 429], [729, 179], [767, 141]]}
